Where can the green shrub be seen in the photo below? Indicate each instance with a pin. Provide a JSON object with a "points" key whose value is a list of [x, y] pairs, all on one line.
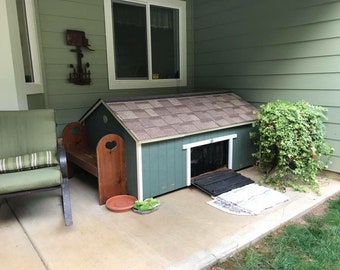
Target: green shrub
{"points": [[291, 145]]}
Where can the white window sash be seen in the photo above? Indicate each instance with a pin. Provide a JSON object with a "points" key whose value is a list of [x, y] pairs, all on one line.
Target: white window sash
{"points": [[115, 83]]}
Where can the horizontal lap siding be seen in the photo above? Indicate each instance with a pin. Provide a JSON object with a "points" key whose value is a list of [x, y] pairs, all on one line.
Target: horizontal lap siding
{"points": [[268, 50], [72, 101]]}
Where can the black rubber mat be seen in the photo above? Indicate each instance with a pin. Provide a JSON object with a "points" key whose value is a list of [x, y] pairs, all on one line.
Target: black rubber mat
{"points": [[221, 181]]}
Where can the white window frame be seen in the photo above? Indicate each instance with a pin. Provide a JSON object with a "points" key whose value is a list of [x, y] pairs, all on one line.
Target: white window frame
{"points": [[35, 87], [115, 83]]}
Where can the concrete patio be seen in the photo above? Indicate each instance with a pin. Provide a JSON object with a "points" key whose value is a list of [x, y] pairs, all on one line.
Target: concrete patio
{"points": [[185, 233]]}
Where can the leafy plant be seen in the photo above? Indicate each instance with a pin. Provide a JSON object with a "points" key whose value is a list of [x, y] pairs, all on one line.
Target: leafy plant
{"points": [[291, 145], [146, 205]]}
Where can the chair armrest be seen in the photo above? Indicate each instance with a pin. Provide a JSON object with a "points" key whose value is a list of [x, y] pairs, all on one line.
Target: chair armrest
{"points": [[62, 159]]}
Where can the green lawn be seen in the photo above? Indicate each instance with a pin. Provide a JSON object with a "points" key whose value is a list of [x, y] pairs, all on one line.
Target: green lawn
{"points": [[314, 244]]}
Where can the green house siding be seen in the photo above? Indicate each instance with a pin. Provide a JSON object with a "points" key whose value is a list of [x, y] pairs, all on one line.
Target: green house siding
{"points": [[269, 50], [72, 101], [164, 162]]}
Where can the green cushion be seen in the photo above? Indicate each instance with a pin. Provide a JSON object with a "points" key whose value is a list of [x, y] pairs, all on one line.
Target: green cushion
{"points": [[28, 161], [28, 180], [23, 132]]}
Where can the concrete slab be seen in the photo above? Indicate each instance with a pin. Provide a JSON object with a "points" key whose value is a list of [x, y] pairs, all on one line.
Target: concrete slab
{"points": [[17, 252], [185, 233]]}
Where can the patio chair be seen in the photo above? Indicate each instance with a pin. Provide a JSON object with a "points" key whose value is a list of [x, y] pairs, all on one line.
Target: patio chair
{"points": [[31, 160]]}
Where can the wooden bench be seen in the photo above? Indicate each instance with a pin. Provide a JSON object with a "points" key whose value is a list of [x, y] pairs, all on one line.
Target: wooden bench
{"points": [[106, 162]]}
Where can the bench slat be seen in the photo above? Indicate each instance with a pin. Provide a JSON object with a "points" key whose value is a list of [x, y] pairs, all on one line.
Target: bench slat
{"points": [[84, 158]]}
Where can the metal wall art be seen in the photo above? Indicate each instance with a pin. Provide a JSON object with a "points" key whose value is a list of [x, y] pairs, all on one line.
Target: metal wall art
{"points": [[81, 74]]}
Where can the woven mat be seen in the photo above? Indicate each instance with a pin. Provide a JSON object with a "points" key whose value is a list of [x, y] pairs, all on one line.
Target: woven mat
{"points": [[251, 199]]}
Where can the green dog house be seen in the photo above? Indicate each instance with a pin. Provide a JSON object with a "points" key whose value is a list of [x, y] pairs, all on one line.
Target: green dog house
{"points": [[161, 135]]}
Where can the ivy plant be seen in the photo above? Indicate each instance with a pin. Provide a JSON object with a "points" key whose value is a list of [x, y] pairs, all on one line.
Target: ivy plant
{"points": [[291, 149]]}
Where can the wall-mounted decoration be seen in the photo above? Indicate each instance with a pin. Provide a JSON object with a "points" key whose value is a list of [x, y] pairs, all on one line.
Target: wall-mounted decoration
{"points": [[81, 74]]}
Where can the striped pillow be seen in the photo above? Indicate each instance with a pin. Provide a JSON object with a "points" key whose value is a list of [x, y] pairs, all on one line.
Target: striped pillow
{"points": [[28, 162]]}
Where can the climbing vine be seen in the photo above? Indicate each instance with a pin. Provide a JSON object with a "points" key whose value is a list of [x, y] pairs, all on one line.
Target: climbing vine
{"points": [[291, 148]]}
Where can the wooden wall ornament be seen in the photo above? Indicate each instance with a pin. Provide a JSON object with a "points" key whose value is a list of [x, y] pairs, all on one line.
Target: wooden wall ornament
{"points": [[81, 74]]}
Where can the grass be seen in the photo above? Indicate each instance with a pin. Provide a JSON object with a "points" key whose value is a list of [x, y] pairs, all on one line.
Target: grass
{"points": [[312, 244]]}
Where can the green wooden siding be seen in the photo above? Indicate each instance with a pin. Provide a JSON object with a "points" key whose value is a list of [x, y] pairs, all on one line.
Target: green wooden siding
{"points": [[72, 101], [164, 162], [97, 129], [269, 50], [163, 167]]}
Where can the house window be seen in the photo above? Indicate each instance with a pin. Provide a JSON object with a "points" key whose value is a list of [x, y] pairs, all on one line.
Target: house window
{"points": [[29, 45], [146, 43]]}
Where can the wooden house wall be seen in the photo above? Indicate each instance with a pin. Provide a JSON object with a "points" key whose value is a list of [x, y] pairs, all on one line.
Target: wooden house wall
{"points": [[72, 101], [266, 50], [164, 162]]}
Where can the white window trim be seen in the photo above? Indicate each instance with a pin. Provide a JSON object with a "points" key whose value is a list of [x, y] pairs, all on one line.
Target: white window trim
{"points": [[35, 87], [129, 84]]}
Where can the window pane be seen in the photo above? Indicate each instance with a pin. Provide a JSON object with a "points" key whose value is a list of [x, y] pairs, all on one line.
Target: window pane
{"points": [[164, 42], [24, 39], [130, 41]]}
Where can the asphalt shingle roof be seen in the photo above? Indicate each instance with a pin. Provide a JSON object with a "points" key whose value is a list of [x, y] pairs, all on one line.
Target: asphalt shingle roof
{"points": [[161, 118]]}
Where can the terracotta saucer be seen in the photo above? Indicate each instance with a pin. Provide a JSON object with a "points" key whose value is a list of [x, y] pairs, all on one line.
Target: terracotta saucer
{"points": [[120, 203]]}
